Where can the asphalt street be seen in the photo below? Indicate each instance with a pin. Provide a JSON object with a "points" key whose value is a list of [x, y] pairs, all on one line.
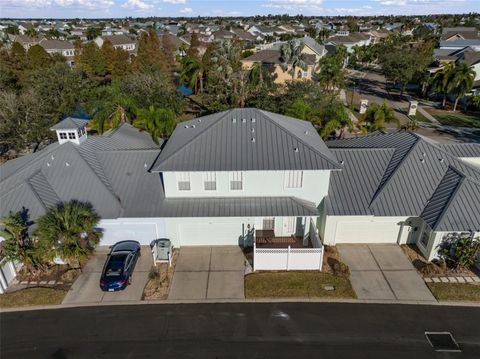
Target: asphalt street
{"points": [[248, 330]]}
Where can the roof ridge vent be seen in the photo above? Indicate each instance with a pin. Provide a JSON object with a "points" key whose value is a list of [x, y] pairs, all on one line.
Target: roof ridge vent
{"points": [[186, 126]]}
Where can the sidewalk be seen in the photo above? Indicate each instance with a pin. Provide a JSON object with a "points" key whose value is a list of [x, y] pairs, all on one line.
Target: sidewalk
{"points": [[428, 116]]}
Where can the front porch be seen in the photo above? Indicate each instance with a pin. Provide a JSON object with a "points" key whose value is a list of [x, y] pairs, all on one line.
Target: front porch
{"points": [[302, 250]]}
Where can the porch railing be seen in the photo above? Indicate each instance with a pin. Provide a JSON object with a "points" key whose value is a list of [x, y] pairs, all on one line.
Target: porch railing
{"points": [[290, 258]]}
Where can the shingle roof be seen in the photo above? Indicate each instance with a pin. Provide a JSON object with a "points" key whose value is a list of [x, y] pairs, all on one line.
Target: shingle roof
{"points": [[70, 123], [244, 139], [119, 39], [409, 184], [56, 45]]}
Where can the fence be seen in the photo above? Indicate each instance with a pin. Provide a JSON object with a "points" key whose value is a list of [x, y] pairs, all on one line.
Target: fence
{"points": [[287, 258], [8, 273]]}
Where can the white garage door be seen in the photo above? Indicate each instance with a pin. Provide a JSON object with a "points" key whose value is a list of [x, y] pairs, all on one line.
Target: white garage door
{"points": [[144, 233], [367, 232], [211, 234]]}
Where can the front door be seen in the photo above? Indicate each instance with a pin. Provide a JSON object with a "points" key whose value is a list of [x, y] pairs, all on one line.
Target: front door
{"points": [[289, 225]]}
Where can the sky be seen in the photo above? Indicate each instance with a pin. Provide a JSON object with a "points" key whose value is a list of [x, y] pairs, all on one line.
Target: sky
{"points": [[175, 8]]}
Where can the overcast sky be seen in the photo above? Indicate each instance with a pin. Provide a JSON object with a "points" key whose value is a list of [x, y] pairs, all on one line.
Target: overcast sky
{"points": [[140, 8]]}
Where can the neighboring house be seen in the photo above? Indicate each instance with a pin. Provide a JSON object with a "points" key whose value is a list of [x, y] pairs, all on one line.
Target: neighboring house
{"points": [[80, 33], [272, 60], [458, 38], [179, 45], [27, 41], [64, 48], [244, 36], [221, 177], [378, 35], [119, 41], [349, 40], [412, 190]]}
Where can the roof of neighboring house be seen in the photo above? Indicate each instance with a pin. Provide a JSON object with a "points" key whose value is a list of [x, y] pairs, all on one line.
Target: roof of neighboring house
{"points": [[460, 43], [471, 58], [223, 34], [56, 45], [24, 39], [271, 56], [119, 39], [173, 39], [403, 174], [351, 38], [244, 139], [83, 172], [315, 46], [70, 123], [243, 35], [464, 32]]}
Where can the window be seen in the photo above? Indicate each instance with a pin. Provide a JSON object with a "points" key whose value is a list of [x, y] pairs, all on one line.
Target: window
{"points": [[293, 179], [63, 135], [304, 74], [71, 136], [268, 223], [210, 181], [183, 179], [236, 181], [425, 238]]}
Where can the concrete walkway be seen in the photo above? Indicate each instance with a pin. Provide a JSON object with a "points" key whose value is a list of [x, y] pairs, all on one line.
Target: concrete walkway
{"points": [[383, 272], [86, 288], [428, 116], [208, 273]]}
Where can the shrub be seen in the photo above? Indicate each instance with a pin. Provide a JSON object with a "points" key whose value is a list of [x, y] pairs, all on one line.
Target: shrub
{"points": [[459, 250], [338, 268]]}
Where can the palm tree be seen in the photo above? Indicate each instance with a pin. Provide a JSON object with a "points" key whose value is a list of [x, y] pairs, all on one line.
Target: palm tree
{"points": [[336, 117], [255, 75], [68, 231], [112, 108], [193, 73], [441, 80], [158, 122], [376, 117], [291, 56], [461, 82], [17, 245]]}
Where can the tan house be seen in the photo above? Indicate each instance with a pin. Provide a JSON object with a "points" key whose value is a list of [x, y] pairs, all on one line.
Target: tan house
{"points": [[272, 59], [27, 41]]}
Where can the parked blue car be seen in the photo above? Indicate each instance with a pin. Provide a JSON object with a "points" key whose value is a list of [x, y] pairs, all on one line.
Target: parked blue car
{"points": [[118, 269]]}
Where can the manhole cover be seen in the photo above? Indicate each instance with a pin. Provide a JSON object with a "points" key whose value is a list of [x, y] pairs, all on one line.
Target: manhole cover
{"points": [[442, 341]]}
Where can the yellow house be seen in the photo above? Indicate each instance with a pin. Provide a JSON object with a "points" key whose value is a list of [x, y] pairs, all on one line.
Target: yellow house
{"points": [[272, 58]]}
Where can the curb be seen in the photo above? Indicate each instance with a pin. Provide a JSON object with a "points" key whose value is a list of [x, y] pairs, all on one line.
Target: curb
{"points": [[240, 301]]}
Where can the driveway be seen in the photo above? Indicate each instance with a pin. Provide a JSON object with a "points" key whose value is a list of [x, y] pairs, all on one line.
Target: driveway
{"points": [[86, 288], [208, 273], [383, 272]]}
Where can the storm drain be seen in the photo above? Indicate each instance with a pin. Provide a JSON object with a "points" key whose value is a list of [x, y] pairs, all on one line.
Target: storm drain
{"points": [[442, 341]]}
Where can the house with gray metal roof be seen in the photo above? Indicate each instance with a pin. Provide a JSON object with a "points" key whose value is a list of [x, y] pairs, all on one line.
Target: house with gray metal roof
{"points": [[247, 176], [401, 188]]}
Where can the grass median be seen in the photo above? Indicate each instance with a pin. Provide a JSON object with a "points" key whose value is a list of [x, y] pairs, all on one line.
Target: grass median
{"points": [[297, 285], [464, 292]]}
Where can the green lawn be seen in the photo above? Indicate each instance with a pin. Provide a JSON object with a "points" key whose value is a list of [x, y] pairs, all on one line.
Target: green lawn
{"points": [[460, 119], [455, 291], [32, 296], [296, 285], [419, 117]]}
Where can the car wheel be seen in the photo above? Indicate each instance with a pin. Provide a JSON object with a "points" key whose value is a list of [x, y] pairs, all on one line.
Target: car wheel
{"points": [[129, 280]]}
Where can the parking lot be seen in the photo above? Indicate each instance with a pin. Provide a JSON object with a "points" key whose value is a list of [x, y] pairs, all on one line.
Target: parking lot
{"points": [[86, 288]]}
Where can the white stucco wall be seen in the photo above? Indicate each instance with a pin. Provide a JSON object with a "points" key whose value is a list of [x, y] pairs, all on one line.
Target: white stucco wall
{"points": [[364, 229], [255, 184]]}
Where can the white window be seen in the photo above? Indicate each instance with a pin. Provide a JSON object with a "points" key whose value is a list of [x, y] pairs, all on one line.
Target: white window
{"points": [[210, 181], [304, 74], [183, 179], [425, 238], [236, 181], [71, 136], [63, 135], [293, 179]]}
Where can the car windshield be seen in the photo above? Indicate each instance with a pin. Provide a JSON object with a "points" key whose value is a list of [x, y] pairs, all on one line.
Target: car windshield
{"points": [[115, 265]]}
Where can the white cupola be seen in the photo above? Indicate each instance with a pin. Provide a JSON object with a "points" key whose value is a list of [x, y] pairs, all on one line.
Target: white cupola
{"points": [[71, 129]]}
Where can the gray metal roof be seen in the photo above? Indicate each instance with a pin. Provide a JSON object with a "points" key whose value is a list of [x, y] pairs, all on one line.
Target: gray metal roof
{"points": [[464, 150], [69, 171], [70, 123], [244, 139], [237, 207], [409, 182]]}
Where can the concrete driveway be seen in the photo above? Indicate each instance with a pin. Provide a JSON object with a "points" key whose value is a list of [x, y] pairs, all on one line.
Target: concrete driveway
{"points": [[383, 272], [86, 288], [208, 273]]}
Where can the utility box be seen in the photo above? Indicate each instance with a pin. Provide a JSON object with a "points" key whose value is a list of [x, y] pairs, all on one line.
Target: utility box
{"points": [[162, 250]]}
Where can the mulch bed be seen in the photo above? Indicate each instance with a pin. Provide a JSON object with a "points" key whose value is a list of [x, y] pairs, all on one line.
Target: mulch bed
{"points": [[160, 280]]}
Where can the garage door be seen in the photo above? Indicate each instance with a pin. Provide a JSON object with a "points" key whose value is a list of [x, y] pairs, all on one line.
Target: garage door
{"points": [[211, 234], [144, 233], [367, 232]]}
